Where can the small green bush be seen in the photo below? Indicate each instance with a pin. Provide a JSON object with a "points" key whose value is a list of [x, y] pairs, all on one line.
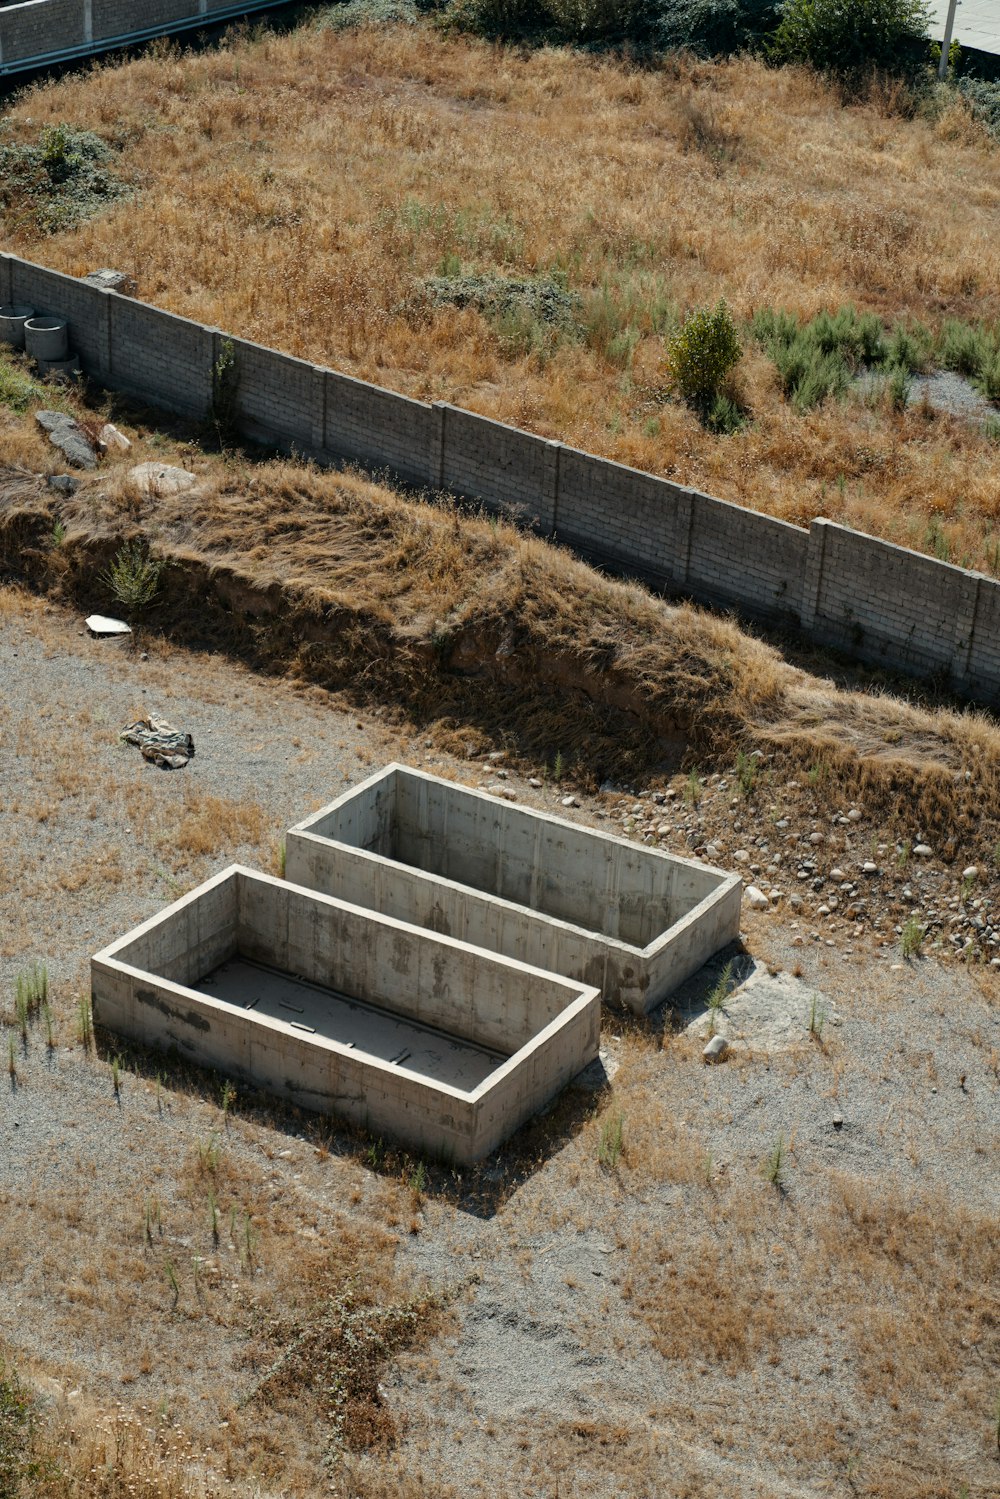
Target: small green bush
{"points": [[701, 356], [714, 28], [983, 98], [16, 1429], [852, 39], [133, 578], [910, 347], [966, 348], [59, 181], [367, 13]]}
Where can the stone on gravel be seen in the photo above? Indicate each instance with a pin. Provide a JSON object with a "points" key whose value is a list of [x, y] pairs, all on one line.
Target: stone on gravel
{"points": [[716, 1049], [756, 899], [66, 434], [923, 851], [162, 479], [971, 873], [869, 868], [100, 624], [570, 801]]}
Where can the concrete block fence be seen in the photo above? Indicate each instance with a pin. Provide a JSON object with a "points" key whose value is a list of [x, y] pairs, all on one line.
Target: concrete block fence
{"points": [[876, 602], [42, 32]]}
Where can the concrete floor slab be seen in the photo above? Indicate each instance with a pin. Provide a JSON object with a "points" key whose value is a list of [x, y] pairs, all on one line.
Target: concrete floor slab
{"points": [[371, 1031]]}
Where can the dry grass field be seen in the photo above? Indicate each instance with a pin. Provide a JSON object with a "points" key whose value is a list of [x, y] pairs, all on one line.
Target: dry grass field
{"points": [[299, 189]]}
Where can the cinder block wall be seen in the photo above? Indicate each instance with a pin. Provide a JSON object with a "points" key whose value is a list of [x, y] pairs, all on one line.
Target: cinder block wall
{"points": [[47, 31], [876, 602]]}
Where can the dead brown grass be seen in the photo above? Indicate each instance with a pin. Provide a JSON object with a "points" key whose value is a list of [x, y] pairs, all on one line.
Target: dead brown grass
{"points": [[649, 190], [205, 824]]}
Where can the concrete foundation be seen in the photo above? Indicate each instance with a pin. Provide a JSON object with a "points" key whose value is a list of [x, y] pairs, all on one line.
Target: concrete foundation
{"points": [[630, 920], [408, 1033]]}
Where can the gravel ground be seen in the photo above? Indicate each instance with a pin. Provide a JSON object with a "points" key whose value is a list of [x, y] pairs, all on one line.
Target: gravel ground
{"points": [[672, 1321], [943, 390]]}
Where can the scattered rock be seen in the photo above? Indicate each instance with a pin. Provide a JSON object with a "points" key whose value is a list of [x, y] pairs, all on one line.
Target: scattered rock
{"points": [[741, 856], [163, 479], [716, 1049], [837, 874], [869, 868], [854, 815], [63, 483], [570, 801], [923, 851], [110, 280], [534, 781], [110, 437], [66, 434], [756, 899], [971, 873]]}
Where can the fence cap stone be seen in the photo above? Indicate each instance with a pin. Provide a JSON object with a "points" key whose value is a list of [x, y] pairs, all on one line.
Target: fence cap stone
{"points": [[109, 280]]}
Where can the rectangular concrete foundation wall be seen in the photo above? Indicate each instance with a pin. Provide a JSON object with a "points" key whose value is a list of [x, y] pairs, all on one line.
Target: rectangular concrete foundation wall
{"points": [[630, 920], [545, 1028]]}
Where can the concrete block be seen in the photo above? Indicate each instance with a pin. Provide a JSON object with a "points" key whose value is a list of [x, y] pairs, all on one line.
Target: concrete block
{"points": [[409, 1033], [633, 921]]}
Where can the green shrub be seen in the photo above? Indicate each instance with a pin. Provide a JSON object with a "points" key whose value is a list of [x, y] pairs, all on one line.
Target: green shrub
{"points": [[500, 18], [966, 348], [133, 578], [59, 181], [818, 359], [367, 13], [16, 1429], [590, 20], [898, 387], [529, 316], [852, 39], [714, 28], [701, 355], [910, 347], [989, 379], [983, 99]]}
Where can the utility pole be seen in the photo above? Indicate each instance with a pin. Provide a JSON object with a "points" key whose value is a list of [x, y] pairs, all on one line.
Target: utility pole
{"points": [[946, 44]]}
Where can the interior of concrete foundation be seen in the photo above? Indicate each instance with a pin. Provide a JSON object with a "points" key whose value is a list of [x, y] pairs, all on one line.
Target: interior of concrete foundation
{"points": [[366, 1028], [614, 888]]}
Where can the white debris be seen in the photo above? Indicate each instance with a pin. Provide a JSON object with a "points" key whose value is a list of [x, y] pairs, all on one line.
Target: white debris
{"points": [[99, 624]]}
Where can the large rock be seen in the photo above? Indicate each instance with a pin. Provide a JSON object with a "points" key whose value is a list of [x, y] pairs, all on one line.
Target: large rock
{"points": [[68, 436], [162, 479], [110, 280]]}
